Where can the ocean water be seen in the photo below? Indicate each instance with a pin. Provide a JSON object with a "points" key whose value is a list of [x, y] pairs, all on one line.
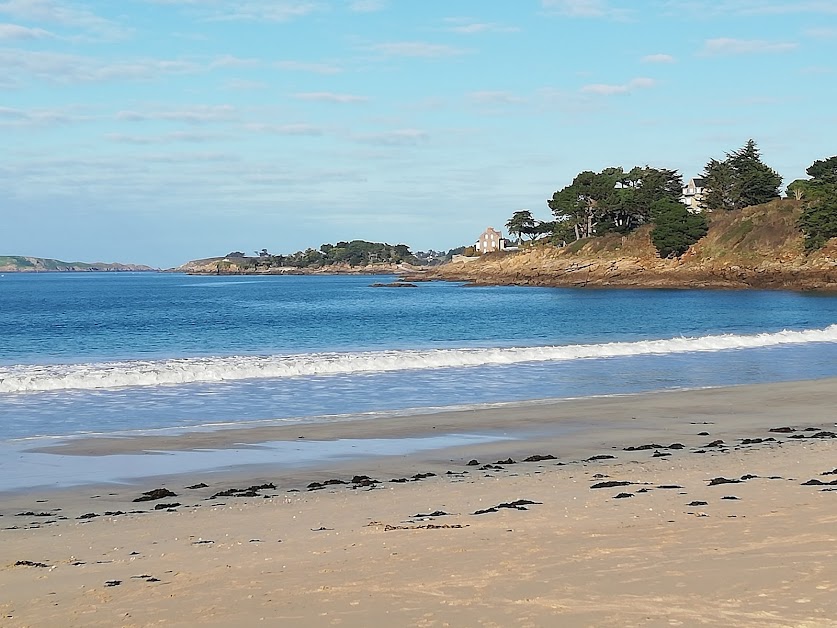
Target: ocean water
{"points": [[113, 353]]}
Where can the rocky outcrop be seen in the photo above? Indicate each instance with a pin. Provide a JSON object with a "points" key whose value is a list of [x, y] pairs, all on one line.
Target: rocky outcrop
{"points": [[757, 247]]}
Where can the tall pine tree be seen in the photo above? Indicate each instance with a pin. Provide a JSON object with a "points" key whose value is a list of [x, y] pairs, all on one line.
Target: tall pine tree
{"points": [[741, 180]]}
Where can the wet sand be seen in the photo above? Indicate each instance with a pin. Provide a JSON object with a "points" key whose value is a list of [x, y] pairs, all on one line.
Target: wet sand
{"points": [[642, 518]]}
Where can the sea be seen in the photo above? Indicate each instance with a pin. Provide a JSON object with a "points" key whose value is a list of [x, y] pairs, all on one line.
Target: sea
{"points": [[103, 354]]}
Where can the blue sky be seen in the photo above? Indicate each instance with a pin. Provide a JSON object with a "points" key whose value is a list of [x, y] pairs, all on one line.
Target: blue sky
{"points": [[157, 131]]}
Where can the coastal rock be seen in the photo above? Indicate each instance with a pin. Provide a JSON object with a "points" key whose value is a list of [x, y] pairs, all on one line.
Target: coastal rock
{"points": [[155, 494], [611, 484], [539, 458], [394, 284]]}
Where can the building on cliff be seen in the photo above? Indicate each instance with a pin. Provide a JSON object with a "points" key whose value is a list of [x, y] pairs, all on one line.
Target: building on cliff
{"points": [[492, 241], [693, 195]]}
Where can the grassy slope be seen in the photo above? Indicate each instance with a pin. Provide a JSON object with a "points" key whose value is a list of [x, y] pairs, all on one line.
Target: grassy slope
{"points": [[758, 245]]}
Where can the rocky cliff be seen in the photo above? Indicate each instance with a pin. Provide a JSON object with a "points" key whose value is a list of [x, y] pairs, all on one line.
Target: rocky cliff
{"points": [[22, 264], [757, 247]]}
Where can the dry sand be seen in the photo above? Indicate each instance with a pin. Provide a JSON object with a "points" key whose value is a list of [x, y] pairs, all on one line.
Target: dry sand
{"points": [[759, 551]]}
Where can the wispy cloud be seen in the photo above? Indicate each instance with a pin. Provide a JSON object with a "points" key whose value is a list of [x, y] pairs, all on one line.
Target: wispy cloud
{"points": [[488, 97], [416, 49], [242, 84], [231, 61], [730, 46], [716, 8], [248, 10], [200, 114], [21, 66], [64, 14], [303, 66], [11, 117], [606, 89], [399, 137], [658, 58], [367, 6], [584, 8], [286, 129], [15, 31], [467, 26], [330, 97], [166, 138], [823, 32]]}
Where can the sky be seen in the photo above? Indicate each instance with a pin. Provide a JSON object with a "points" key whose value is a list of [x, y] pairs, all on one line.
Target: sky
{"points": [[159, 131]]}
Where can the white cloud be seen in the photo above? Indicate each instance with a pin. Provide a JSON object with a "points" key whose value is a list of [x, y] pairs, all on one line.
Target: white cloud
{"points": [[330, 97], [488, 97], [824, 32], [195, 115], [367, 6], [14, 31], [470, 27], [11, 117], [248, 10], [584, 8], [416, 49], [399, 137], [302, 66], [231, 61], [715, 8], [241, 85], [20, 66], [606, 89], [286, 129], [730, 46], [64, 14], [658, 58], [166, 138]]}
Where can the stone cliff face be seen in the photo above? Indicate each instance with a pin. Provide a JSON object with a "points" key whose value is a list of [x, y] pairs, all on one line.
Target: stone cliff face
{"points": [[757, 247]]}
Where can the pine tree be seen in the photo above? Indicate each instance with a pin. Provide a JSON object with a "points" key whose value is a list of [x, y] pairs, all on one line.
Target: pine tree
{"points": [[739, 181]]}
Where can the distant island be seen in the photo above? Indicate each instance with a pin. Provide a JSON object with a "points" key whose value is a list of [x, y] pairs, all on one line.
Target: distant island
{"points": [[353, 257], [25, 264]]}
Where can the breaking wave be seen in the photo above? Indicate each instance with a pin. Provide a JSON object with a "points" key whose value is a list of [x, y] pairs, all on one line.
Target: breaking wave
{"points": [[106, 375]]}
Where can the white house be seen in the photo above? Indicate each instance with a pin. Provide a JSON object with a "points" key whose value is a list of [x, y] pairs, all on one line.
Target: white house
{"points": [[693, 195], [490, 241]]}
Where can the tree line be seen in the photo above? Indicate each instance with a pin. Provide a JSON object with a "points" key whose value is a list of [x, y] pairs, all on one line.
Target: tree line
{"points": [[353, 253], [616, 200]]}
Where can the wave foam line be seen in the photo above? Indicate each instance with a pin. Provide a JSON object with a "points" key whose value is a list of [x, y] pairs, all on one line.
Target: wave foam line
{"points": [[104, 375]]}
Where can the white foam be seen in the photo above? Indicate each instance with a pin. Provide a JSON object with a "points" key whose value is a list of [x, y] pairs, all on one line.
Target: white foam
{"points": [[104, 375]]}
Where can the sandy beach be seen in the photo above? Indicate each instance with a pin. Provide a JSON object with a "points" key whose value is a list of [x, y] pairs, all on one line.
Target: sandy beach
{"points": [[708, 507]]}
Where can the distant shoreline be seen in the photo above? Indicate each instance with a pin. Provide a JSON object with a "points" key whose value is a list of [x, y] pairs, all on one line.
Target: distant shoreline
{"points": [[27, 264]]}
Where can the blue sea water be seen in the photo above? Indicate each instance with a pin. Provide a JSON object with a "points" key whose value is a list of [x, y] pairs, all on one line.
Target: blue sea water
{"points": [[134, 352]]}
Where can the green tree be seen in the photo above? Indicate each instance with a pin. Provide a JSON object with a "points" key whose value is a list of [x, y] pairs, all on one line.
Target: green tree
{"points": [[522, 223], [581, 202], [756, 182], [739, 181], [824, 171], [819, 214], [675, 228], [613, 200]]}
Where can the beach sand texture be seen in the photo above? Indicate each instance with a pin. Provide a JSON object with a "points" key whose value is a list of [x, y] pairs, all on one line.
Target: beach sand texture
{"points": [[681, 530]]}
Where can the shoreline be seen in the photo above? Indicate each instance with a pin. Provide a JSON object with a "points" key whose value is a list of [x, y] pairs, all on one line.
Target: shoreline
{"points": [[447, 541], [578, 427], [429, 537]]}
